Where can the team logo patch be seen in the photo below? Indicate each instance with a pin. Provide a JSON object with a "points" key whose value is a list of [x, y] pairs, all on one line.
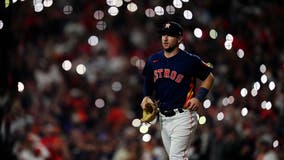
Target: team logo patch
{"points": [[155, 61]]}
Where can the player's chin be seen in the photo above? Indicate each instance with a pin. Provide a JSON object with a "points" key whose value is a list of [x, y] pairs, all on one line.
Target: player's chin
{"points": [[165, 45]]}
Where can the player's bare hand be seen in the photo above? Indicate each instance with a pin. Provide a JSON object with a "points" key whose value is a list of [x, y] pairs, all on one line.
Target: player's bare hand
{"points": [[146, 100], [193, 104]]}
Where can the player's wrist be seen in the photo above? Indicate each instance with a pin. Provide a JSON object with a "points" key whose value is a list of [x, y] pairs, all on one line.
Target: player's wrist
{"points": [[202, 93]]}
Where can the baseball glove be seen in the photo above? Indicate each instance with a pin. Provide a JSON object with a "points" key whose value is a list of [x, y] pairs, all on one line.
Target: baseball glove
{"points": [[149, 112]]}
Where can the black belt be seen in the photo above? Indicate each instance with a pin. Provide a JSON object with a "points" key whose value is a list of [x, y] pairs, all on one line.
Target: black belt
{"points": [[171, 112]]}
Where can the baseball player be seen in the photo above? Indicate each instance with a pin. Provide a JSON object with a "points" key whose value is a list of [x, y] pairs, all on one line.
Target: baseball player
{"points": [[170, 78]]}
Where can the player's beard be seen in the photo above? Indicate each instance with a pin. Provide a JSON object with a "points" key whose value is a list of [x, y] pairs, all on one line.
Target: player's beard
{"points": [[170, 49]]}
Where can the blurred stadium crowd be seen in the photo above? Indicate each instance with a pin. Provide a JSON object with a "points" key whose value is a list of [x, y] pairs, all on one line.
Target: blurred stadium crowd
{"points": [[62, 112]]}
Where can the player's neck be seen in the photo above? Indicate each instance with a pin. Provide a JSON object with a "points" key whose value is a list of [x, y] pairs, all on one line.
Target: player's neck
{"points": [[171, 53]]}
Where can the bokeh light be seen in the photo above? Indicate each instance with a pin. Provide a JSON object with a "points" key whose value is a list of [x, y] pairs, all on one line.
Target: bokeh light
{"points": [[47, 3], [81, 69], [136, 122], [116, 86], [170, 9], [272, 85], [159, 10], [206, 103], [21, 87], [262, 68], [177, 3], [66, 65], [113, 11], [244, 92], [68, 9], [99, 14], [202, 120], [187, 14], [228, 45], [132, 7], [38, 7], [220, 116], [149, 12], [263, 79], [275, 143], [240, 53], [101, 25], [244, 111], [146, 137], [93, 40], [197, 32], [143, 129], [99, 103], [213, 33], [1, 24]]}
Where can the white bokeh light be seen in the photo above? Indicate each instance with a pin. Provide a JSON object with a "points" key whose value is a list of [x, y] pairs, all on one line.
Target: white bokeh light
{"points": [[93, 40], [146, 137], [66, 65], [136, 122], [254, 92], [244, 92], [225, 101], [38, 7], [47, 3], [1, 24], [263, 79], [81, 69], [240, 53], [170, 9], [68, 9], [149, 12], [228, 45], [197, 32], [244, 111], [207, 103], [262, 68], [268, 105], [220, 116], [100, 103], [159, 10], [99, 14], [187, 14], [113, 11], [177, 3], [275, 143], [132, 7], [118, 3], [110, 2], [272, 85], [229, 37], [256, 85], [21, 87]]}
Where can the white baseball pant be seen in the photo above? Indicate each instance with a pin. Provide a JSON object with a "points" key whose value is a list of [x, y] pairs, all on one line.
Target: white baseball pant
{"points": [[177, 133]]}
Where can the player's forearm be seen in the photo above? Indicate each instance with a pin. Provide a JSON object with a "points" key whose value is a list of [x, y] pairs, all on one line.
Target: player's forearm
{"points": [[208, 82], [204, 88]]}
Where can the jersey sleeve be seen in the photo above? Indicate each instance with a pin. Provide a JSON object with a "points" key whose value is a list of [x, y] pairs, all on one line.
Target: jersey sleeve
{"points": [[148, 79], [202, 69]]}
